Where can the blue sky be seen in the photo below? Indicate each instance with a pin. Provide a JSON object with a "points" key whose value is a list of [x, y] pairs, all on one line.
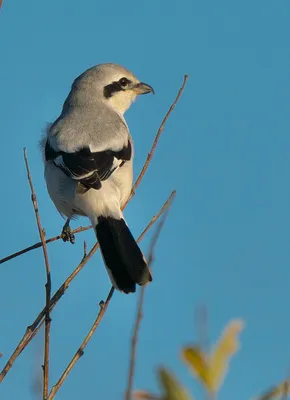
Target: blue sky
{"points": [[225, 150]]}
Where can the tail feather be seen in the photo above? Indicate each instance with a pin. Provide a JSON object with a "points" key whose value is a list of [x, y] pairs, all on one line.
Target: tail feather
{"points": [[123, 258]]}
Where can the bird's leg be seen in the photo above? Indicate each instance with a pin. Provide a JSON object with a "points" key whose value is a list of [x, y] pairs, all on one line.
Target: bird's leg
{"points": [[66, 234]]}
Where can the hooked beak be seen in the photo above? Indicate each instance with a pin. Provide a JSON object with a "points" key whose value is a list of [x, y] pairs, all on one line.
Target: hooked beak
{"points": [[142, 88]]}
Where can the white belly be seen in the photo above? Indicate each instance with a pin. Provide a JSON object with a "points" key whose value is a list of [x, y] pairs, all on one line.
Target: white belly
{"points": [[113, 194]]}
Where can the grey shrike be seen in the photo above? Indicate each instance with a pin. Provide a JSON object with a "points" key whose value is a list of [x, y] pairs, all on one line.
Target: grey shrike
{"points": [[88, 155]]}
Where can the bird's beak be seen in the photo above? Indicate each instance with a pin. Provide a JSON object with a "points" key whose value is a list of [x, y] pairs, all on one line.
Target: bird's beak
{"points": [[142, 88]]}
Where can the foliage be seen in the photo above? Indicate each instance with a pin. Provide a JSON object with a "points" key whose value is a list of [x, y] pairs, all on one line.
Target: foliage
{"points": [[210, 369]]}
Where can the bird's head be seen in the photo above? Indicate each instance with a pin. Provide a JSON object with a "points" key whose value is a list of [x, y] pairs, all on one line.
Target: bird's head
{"points": [[111, 84]]}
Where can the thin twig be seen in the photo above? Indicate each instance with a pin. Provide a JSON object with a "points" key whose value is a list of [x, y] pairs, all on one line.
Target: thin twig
{"points": [[157, 137], [80, 351], [136, 184], [139, 314], [201, 318], [39, 244], [102, 311], [138, 319], [47, 285]]}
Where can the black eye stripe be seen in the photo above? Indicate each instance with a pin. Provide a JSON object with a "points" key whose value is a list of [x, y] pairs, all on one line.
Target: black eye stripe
{"points": [[111, 89], [115, 87]]}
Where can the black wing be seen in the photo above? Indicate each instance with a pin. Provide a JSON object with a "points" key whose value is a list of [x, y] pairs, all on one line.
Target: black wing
{"points": [[86, 167]]}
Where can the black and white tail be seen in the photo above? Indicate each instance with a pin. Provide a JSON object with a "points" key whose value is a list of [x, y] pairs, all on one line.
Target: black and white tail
{"points": [[123, 258]]}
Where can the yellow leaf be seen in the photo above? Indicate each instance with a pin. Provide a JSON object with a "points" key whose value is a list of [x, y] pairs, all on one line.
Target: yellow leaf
{"points": [[173, 390], [226, 347], [278, 391], [197, 361]]}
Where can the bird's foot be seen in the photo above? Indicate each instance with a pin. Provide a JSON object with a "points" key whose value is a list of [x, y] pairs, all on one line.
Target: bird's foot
{"points": [[67, 234]]}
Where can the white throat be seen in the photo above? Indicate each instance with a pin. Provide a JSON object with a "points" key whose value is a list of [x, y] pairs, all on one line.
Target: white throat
{"points": [[121, 101]]}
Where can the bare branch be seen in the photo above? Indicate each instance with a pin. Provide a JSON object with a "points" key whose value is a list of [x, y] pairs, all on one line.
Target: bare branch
{"points": [[136, 184], [35, 326], [139, 315], [47, 285], [104, 307]]}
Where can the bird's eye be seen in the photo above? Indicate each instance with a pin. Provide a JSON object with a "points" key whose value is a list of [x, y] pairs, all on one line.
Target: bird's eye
{"points": [[124, 82]]}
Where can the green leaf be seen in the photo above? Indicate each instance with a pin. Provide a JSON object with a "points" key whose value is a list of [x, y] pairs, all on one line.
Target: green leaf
{"points": [[172, 389], [196, 359]]}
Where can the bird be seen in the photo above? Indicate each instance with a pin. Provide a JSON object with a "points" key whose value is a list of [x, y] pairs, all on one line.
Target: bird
{"points": [[88, 166]]}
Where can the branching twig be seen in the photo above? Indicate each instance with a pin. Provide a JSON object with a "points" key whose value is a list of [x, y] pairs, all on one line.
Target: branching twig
{"points": [[136, 184], [103, 309], [34, 327], [47, 285], [139, 314]]}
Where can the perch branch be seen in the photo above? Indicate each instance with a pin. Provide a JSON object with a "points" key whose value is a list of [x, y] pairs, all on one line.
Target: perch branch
{"points": [[47, 285], [39, 244]]}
